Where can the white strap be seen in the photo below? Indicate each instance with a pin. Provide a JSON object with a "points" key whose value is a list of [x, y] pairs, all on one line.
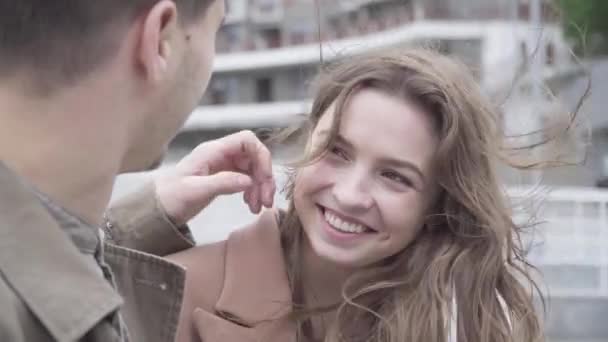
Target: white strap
{"points": [[453, 323], [453, 313]]}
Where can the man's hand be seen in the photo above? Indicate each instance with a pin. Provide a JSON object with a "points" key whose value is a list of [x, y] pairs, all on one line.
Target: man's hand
{"points": [[236, 163]]}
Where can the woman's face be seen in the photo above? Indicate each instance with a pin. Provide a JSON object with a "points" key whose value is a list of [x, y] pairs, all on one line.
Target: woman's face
{"points": [[367, 198]]}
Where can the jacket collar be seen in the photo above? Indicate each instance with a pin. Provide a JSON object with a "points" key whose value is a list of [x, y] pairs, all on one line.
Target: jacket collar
{"points": [[254, 259], [68, 295]]}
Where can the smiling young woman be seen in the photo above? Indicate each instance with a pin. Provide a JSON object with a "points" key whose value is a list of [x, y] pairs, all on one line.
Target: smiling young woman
{"points": [[397, 227]]}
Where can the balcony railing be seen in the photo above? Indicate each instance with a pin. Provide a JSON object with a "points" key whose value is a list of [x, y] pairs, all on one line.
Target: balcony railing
{"points": [[362, 22], [266, 11], [570, 242], [347, 28]]}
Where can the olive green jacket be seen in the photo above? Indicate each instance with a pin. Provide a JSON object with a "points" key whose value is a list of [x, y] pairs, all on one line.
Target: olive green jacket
{"points": [[48, 292]]}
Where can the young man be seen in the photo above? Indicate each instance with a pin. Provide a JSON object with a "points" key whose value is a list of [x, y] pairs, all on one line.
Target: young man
{"points": [[90, 89]]}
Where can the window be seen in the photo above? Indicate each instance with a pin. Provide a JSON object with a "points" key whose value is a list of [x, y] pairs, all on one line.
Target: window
{"points": [[217, 95], [272, 38], [550, 54], [263, 88]]}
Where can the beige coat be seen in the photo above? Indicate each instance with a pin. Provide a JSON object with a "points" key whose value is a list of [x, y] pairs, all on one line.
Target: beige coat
{"points": [[241, 286], [49, 293]]}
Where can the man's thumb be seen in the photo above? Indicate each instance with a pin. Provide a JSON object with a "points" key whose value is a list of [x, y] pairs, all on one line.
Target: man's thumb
{"points": [[223, 183]]}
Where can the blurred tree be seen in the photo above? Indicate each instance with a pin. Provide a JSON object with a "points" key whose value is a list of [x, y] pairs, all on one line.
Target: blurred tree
{"points": [[586, 22]]}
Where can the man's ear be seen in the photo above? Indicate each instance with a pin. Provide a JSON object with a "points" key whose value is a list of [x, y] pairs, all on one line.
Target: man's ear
{"points": [[157, 39]]}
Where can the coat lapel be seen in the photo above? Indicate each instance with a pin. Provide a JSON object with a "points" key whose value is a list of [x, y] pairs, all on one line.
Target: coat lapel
{"points": [[256, 295], [213, 328]]}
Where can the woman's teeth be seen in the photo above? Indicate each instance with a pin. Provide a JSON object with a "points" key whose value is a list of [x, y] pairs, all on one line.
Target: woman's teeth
{"points": [[342, 225]]}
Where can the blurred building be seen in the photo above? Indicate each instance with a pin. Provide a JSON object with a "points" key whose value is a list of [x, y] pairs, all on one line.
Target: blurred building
{"points": [[271, 49]]}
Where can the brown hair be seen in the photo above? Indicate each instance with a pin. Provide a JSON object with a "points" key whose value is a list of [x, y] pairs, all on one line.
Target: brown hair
{"points": [[61, 40], [469, 250]]}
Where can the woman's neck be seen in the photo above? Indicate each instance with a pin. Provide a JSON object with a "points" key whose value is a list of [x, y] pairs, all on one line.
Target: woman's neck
{"points": [[321, 284], [322, 280]]}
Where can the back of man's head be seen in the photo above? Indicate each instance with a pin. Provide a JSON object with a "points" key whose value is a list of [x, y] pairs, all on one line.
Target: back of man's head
{"points": [[61, 41]]}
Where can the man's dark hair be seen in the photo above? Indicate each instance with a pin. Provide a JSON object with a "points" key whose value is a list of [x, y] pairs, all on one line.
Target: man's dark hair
{"points": [[62, 40]]}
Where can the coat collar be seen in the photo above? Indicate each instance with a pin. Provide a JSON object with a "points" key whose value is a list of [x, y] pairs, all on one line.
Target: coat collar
{"points": [[255, 296], [254, 259], [45, 268]]}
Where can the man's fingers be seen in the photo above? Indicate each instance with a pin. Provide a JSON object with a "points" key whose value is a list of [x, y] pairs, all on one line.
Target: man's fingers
{"points": [[269, 189], [255, 198], [256, 157], [243, 164], [221, 183], [241, 152], [247, 198], [245, 144]]}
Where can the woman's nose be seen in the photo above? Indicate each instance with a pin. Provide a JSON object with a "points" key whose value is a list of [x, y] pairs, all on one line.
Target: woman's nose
{"points": [[352, 191]]}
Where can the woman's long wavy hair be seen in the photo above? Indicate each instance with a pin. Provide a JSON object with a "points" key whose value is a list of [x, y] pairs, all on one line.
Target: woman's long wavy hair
{"points": [[467, 261]]}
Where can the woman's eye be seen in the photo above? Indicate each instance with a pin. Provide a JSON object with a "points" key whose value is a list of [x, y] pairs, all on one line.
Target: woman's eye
{"points": [[338, 152], [396, 177]]}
